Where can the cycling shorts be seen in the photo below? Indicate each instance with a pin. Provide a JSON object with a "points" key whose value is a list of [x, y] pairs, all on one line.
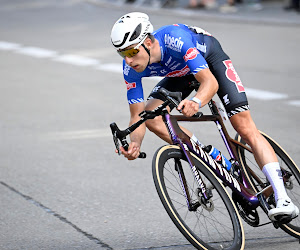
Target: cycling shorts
{"points": [[231, 91]]}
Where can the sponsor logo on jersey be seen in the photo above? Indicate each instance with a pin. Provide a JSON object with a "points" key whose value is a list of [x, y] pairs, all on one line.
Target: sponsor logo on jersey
{"points": [[154, 67], [126, 69], [173, 43], [232, 75], [226, 99], [153, 73], [191, 54], [201, 47], [130, 85], [179, 73], [163, 72], [169, 60], [175, 66]]}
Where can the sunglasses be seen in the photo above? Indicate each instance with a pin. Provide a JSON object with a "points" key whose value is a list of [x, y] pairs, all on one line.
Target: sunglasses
{"points": [[132, 51], [129, 52]]}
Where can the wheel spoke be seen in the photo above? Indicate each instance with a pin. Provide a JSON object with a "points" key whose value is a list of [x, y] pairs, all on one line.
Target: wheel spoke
{"points": [[212, 224]]}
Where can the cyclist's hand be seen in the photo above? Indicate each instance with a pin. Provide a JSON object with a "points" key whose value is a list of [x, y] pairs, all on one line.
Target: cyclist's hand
{"points": [[133, 151], [188, 108]]}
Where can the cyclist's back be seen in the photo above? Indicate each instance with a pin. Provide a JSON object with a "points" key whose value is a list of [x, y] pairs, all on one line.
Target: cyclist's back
{"points": [[185, 50]]}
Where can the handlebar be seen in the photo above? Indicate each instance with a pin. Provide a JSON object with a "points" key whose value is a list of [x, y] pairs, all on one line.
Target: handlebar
{"points": [[120, 135]]}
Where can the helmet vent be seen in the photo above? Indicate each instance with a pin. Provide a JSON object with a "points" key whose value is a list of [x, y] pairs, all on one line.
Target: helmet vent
{"points": [[122, 43], [136, 33]]}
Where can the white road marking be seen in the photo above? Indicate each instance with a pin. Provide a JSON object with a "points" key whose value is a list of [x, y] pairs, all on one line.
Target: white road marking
{"points": [[8, 46], [37, 52], [117, 68], [77, 60], [264, 95], [79, 134], [294, 103], [111, 67]]}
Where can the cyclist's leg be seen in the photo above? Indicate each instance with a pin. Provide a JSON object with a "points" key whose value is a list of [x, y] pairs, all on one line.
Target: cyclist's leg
{"points": [[245, 126], [155, 99], [233, 96]]}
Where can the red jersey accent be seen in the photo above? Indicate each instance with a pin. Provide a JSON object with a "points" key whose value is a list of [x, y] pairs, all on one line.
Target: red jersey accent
{"points": [[191, 54], [232, 75], [130, 85]]}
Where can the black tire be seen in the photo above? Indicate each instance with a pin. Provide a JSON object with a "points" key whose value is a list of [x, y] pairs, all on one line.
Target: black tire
{"points": [[215, 227], [286, 163]]}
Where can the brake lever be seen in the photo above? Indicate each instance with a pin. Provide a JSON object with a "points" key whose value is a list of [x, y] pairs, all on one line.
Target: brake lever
{"points": [[117, 144], [119, 135]]}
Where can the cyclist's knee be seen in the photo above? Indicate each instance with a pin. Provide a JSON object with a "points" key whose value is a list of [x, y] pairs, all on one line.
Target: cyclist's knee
{"points": [[249, 134], [245, 126], [154, 125]]}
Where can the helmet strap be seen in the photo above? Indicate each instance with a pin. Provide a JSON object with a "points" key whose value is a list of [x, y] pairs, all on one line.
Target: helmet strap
{"points": [[148, 51]]}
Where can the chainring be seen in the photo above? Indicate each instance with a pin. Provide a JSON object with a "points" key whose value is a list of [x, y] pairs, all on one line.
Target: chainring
{"points": [[249, 215]]}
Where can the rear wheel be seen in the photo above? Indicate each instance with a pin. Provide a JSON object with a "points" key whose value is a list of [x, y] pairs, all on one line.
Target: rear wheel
{"points": [[212, 224], [291, 176]]}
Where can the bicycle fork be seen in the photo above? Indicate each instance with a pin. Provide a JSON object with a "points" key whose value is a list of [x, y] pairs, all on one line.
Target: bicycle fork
{"points": [[203, 194]]}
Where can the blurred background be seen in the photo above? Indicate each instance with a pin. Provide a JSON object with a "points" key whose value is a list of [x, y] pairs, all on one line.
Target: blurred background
{"points": [[61, 184]]}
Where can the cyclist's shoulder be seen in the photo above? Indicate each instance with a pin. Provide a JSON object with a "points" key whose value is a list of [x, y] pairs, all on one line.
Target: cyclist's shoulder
{"points": [[175, 30], [173, 37]]}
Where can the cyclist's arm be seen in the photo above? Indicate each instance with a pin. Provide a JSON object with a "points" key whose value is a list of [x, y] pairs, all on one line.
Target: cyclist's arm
{"points": [[208, 88], [137, 136]]}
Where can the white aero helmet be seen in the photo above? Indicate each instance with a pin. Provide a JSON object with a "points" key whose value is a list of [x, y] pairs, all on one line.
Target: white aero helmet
{"points": [[130, 29]]}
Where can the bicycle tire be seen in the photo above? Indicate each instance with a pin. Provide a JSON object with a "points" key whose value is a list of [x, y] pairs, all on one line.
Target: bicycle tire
{"points": [[220, 228], [293, 187]]}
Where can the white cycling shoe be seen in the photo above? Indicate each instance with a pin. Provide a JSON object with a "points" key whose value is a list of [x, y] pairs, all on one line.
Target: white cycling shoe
{"points": [[284, 207]]}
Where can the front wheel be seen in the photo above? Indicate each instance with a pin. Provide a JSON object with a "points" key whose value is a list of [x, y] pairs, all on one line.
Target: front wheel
{"points": [[291, 177], [214, 225]]}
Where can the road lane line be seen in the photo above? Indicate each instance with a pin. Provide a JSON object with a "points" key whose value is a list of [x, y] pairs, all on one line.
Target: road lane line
{"points": [[76, 60], [294, 103], [111, 67], [37, 52], [79, 134], [8, 46], [264, 95]]}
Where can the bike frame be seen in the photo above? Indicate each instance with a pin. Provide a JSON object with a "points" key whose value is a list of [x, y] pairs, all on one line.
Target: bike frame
{"points": [[188, 146]]}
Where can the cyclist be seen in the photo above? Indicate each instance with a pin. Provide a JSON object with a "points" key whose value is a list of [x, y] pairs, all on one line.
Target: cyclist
{"points": [[183, 54]]}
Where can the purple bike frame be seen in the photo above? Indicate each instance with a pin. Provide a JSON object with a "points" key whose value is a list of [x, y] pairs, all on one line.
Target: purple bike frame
{"points": [[188, 146]]}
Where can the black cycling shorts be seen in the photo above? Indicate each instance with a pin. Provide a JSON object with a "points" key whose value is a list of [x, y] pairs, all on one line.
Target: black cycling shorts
{"points": [[231, 91]]}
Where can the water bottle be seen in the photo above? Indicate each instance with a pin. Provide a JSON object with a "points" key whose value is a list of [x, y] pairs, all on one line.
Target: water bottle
{"points": [[217, 155]]}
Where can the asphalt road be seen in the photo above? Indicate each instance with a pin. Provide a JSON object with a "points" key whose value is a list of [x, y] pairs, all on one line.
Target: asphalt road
{"points": [[61, 184]]}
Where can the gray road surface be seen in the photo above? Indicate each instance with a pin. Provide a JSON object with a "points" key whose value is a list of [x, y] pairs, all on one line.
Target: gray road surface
{"points": [[61, 185]]}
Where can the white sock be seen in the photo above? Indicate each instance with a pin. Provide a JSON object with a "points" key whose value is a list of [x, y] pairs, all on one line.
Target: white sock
{"points": [[195, 139], [274, 175]]}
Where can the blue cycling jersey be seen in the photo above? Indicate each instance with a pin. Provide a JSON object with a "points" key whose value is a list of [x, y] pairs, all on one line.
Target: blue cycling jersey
{"points": [[184, 50]]}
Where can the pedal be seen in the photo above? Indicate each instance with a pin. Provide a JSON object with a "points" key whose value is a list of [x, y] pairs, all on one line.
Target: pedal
{"points": [[283, 219]]}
